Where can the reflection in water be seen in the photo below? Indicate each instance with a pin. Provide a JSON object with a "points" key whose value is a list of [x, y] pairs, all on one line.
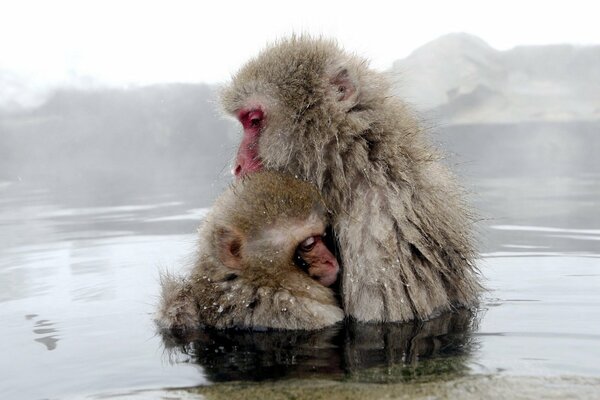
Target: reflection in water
{"points": [[357, 351], [80, 260], [44, 327]]}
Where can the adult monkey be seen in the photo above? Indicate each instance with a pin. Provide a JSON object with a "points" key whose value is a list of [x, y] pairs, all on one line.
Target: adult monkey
{"points": [[312, 110]]}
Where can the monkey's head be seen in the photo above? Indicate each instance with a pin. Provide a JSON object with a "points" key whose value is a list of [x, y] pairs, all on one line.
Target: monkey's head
{"points": [[296, 99], [267, 220]]}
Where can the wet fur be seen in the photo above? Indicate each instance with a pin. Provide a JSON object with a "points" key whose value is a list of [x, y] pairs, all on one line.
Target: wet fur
{"points": [[403, 228], [269, 291]]}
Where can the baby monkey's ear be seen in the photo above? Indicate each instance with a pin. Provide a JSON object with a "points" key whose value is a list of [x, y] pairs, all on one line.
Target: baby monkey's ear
{"points": [[230, 243]]}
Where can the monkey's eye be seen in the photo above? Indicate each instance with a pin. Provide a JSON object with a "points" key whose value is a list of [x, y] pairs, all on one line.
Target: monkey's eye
{"points": [[308, 244], [251, 119], [341, 92], [255, 119]]}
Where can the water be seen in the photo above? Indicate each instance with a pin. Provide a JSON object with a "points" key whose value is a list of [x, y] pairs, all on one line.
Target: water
{"points": [[79, 281]]}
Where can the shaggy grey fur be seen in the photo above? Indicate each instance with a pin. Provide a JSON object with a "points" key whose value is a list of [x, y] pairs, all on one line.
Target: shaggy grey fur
{"points": [[402, 225]]}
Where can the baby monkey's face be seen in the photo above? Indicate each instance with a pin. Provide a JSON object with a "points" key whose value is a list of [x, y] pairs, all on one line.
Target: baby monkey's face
{"points": [[318, 260], [303, 241]]}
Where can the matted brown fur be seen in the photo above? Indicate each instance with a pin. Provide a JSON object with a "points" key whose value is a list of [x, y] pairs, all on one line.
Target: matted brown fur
{"points": [[268, 290], [403, 228]]}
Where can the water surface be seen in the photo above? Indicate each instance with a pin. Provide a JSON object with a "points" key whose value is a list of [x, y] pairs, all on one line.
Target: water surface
{"points": [[79, 280]]}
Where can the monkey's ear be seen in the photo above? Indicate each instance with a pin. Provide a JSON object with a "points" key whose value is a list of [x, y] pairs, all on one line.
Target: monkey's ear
{"points": [[229, 246], [343, 87]]}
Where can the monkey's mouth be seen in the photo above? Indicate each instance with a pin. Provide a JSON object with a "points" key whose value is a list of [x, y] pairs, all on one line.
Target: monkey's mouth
{"points": [[329, 280]]}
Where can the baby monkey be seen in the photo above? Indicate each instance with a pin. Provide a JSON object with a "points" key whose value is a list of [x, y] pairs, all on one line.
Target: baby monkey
{"points": [[247, 273]]}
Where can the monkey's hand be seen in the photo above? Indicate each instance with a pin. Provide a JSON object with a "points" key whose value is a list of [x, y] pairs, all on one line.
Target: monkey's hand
{"points": [[178, 309], [283, 309]]}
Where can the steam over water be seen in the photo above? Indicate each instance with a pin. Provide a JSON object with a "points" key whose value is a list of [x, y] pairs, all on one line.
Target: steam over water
{"points": [[87, 223]]}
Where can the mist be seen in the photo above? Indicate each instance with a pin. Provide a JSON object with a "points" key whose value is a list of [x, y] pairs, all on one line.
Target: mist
{"points": [[133, 140], [104, 182]]}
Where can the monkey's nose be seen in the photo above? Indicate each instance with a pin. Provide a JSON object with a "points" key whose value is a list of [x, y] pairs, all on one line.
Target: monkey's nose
{"points": [[237, 171]]}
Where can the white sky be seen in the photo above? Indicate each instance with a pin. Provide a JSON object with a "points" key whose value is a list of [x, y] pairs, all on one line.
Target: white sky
{"points": [[123, 42]]}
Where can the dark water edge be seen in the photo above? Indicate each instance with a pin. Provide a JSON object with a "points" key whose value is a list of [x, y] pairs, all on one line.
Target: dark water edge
{"points": [[79, 263], [470, 387], [346, 351]]}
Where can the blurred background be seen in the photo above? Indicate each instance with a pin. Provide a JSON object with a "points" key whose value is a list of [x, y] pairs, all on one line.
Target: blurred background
{"points": [[122, 95], [116, 103], [520, 103], [112, 146]]}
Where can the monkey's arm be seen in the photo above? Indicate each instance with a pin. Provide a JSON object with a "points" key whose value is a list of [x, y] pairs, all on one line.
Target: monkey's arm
{"points": [[178, 308], [399, 261], [373, 285]]}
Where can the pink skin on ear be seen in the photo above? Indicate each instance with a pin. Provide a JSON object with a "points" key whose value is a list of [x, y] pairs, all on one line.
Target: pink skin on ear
{"points": [[247, 160], [343, 86], [323, 265]]}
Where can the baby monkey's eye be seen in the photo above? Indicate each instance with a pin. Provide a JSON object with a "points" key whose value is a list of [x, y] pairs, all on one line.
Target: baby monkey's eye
{"points": [[308, 244]]}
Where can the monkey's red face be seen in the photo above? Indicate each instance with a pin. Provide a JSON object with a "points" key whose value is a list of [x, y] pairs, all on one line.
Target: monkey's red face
{"points": [[248, 160], [297, 101], [322, 264]]}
